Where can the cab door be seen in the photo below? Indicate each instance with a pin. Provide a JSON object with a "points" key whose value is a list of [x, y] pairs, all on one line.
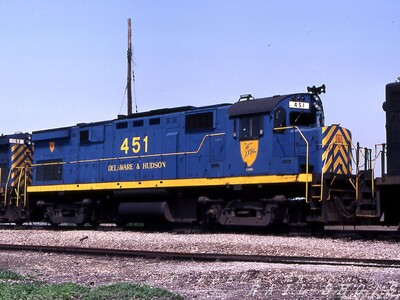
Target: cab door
{"points": [[251, 147]]}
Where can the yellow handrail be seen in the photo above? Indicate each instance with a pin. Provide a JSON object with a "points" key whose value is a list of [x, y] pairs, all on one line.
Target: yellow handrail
{"points": [[25, 186], [304, 138], [6, 187]]}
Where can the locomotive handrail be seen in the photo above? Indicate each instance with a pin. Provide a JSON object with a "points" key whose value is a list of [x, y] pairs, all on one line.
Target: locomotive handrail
{"points": [[21, 173], [383, 161], [307, 149], [6, 187], [383, 157], [322, 177], [371, 162], [132, 156]]}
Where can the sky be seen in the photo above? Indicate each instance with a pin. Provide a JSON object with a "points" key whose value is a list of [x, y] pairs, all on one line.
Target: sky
{"points": [[64, 62]]}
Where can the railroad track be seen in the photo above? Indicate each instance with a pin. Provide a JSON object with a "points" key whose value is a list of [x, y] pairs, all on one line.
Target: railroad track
{"points": [[208, 257], [356, 232]]}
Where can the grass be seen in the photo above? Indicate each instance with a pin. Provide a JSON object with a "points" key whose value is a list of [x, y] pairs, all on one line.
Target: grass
{"points": [[17, 287]]}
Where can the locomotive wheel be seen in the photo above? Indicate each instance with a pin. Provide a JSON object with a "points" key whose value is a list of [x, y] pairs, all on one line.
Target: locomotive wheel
{"points": [[94, 224], [53, 224], [81, 224]]}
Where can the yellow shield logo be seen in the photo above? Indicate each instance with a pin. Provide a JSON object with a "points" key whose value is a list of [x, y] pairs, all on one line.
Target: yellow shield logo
{"points": [[52, 146], [248, 151]]}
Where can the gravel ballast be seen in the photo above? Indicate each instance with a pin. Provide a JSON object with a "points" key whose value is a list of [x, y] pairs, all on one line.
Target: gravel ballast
{"points": [[213, 280]]}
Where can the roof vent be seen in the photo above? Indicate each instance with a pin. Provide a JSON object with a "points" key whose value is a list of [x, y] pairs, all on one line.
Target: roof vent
{"points": [[246, 97]]}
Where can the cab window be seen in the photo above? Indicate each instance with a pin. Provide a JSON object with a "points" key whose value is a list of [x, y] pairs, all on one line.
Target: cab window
{"points": [[251, 127], [300, 118], [280, 118]]}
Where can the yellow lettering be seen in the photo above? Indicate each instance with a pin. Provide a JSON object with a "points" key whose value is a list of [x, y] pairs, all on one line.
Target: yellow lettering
{"points": [[124, 146], [112, 168], [146, 143], [125, 167], [154, 165], [122, 167], [137, 144]]}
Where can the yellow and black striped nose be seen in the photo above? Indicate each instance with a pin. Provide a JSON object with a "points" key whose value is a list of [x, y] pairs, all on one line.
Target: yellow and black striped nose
{"points": [[336, 150], [21, 162]]}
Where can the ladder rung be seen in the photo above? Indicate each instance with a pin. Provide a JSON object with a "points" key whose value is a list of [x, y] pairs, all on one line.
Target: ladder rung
{"points": [[367, 216], [340, 190], [315, 208]]}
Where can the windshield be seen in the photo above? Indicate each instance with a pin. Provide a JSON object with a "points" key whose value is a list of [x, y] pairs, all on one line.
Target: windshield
{"points": [[313, 115]]}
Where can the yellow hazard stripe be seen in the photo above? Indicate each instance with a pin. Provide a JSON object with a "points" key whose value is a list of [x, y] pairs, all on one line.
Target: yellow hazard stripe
{"points": [[326, 152], [344, 154], [16, 151], [328, 164], [347, 135], [338, 162], [336, 157], [328, 136], [170, 183], [21, 158]]}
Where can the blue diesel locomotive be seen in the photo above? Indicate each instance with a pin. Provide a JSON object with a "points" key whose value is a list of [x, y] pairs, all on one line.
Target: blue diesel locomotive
{"points": [[252, 163]]}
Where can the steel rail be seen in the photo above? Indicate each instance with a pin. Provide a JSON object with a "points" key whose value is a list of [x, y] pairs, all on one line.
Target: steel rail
{"points": [[207, 257]]}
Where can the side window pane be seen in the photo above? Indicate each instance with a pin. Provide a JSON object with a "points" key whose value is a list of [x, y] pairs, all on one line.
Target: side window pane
{"points": [[245, 128], [256, 127], [251, 127], [280, 118], [137, 123], [201, 121], [154, 121], [121, 125], [50, 170], [84, 136]]}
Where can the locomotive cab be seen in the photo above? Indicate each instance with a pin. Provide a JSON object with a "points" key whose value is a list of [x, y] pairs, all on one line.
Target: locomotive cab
{"points": [[304, 165], [274, 134]]}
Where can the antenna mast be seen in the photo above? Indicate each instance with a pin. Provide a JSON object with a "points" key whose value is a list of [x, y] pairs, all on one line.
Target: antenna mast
{"points": [[129, 71]]}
